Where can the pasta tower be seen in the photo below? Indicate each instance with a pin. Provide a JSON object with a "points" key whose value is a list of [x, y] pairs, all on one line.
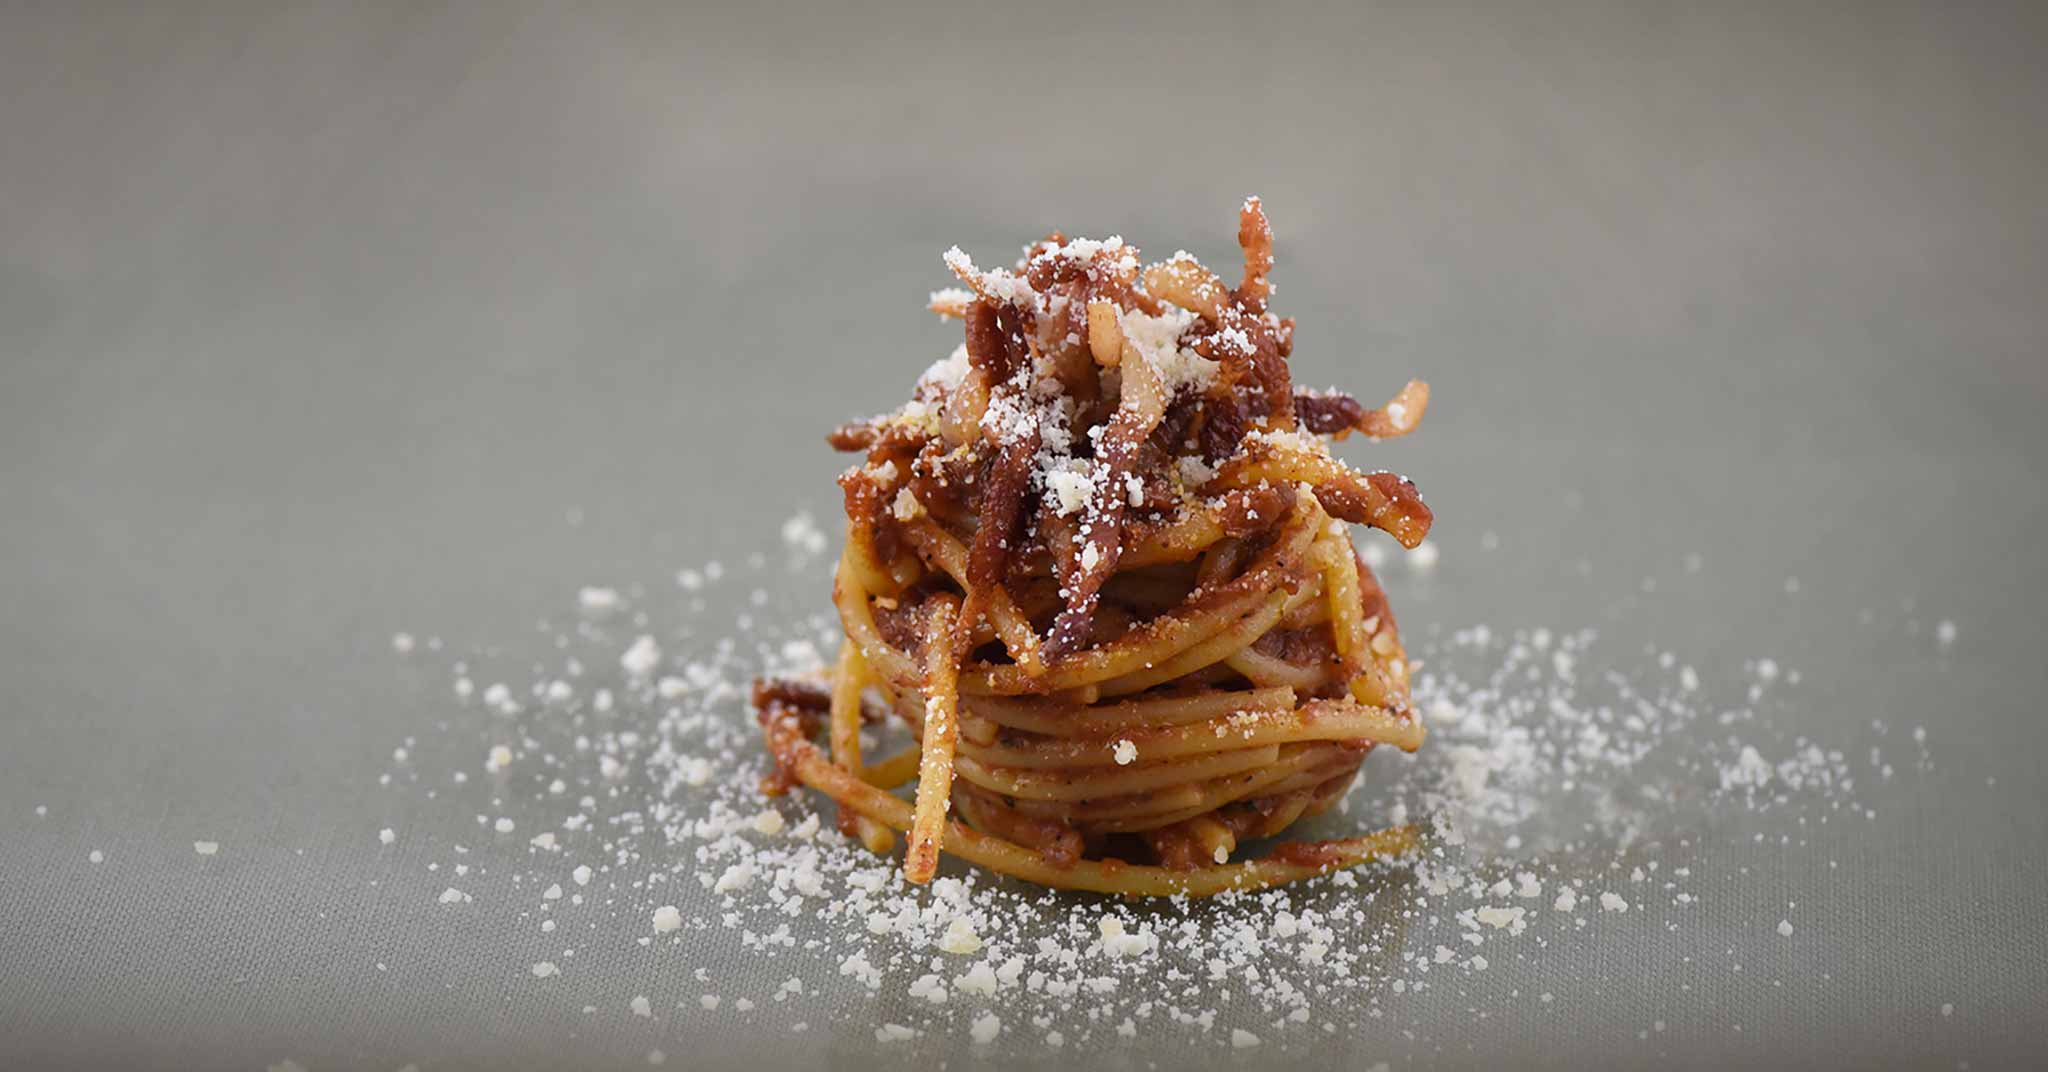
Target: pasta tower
{"points": [[1099, 564]]}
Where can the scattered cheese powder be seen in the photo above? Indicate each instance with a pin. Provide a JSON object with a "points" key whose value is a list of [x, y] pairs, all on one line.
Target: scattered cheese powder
{"points": [[1546, 765], [206, 848]]}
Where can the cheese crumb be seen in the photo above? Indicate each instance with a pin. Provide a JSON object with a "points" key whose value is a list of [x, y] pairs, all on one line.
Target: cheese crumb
{"points": [[1612, 902], [641, 1006], [1070, 488], [1500, 918], [581, 874], [1785, 927], [737, 877], [206, 848], [1240, 1039], [906, 507], [545, 968], [980, 979], [960, 937], [666, 919], [1126, 752], [986, 1027], [386, 836], [96, 856], [598, 602], [642, 659]]}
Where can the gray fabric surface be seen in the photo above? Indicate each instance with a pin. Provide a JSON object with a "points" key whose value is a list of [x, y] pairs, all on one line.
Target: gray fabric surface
{"points": [[321, 324]]}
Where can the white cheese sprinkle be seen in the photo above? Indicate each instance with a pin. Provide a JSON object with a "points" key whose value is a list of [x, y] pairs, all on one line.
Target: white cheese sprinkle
{"points": [[642, 659]]}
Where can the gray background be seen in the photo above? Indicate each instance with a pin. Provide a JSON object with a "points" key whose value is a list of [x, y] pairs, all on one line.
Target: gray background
{"points": [[317, 324]]}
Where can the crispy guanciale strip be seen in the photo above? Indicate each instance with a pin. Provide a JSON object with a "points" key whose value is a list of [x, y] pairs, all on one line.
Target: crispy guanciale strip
{"points": [[951, 303], [1269, 362], [1276, 381], [1290, 862], [892, 434], [1336, 414], [1143, 404], [1255, 237], [1184, 282], [941, 732], [996, 352], [1383, 500]]}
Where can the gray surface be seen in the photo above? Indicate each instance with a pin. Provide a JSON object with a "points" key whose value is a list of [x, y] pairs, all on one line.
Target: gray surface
{"points": [[317, 325]]}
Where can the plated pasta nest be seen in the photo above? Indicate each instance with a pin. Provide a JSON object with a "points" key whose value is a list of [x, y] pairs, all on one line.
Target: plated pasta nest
{"points": [[1099, 564]]}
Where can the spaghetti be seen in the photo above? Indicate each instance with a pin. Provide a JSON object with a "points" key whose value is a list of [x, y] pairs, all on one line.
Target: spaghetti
{"points": [[1099, 565]]}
